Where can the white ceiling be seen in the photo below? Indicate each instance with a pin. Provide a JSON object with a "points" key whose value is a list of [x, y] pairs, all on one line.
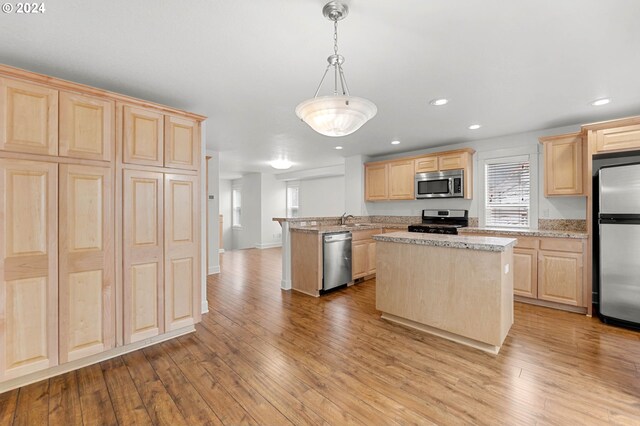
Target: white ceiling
{"points": [[511, 66]]}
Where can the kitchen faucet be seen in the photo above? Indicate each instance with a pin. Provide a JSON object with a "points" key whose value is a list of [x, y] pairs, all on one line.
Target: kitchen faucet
{"points": [[344, 218]]}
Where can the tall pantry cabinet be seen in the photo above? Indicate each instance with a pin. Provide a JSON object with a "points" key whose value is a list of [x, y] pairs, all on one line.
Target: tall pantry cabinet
{"points": [[99, 225]]}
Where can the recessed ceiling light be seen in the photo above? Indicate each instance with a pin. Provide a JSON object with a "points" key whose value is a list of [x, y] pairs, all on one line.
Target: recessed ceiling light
{"points": [[439, 102], [281, 164], [600, 102], [395, 142], [474, 127], [338, 147]]}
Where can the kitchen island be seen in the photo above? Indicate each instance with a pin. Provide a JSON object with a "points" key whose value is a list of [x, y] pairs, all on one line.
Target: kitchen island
{"points": [[453, 286]]}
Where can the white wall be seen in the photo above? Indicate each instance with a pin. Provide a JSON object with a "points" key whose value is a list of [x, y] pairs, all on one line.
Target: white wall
{"points": [[225, 210], [213, 237], [273, 200], [322, 197], [249, 232], [552, 208], [354, 185]]}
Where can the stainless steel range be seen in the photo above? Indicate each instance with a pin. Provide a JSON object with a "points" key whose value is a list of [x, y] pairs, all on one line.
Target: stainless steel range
{"points": [[441, 221]]}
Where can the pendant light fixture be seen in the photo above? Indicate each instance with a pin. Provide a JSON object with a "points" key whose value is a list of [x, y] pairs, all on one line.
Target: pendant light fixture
{"points": [[339, 114]]}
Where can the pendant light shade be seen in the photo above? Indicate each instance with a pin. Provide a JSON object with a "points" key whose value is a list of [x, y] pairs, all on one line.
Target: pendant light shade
{"points": [[336, 115], [339, 114]]}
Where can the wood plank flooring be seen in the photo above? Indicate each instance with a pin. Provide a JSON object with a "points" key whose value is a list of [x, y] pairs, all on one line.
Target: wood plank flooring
{"points": [[268, 357]]}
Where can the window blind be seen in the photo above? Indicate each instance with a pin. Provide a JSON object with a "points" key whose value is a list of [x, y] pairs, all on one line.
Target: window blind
{"points": [[508, 188]]}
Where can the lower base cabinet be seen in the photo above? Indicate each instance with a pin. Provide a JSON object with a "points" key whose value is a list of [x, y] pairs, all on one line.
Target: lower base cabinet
{"points": [[560, 277], [525, 272], [363, 253]]}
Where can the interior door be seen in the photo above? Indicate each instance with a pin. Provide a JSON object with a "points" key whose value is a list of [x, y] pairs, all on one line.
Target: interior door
{"points": [[28, 267], [87, 301], [182, 251], [143, 255]]}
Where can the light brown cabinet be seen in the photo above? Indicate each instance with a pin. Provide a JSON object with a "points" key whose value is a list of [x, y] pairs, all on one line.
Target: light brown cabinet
{"points": [[525, 272], [564, 164], [548, 270], [560, 277], [87, 290], [182, 143], [93, 254], [87, 127], [401, 180], [427, 164], [28, 117], [363, 253], [376, 182], [181, 251], [143, 254], [143, 136], [28, 267], [454, 161], [625, 138]]}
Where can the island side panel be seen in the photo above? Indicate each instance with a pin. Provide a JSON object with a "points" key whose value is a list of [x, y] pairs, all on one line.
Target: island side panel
{"points": [[506, 309], [306, 262], [451, 289]]}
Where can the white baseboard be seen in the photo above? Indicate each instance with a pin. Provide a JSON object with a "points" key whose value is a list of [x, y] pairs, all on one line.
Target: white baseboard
{"points": [[285, 284], [214, 270], [204, 308], [269, 245], [220, 250]]}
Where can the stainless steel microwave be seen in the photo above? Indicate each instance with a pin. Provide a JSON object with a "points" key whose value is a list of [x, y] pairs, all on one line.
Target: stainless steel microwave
{"points": [[448, 184]]}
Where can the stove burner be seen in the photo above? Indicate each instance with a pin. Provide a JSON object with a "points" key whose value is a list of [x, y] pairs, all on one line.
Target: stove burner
{"points": [[441, 222]]}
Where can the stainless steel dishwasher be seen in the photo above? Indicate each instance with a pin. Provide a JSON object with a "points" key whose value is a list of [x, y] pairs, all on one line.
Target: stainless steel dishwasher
{"points": [[336, 251]]}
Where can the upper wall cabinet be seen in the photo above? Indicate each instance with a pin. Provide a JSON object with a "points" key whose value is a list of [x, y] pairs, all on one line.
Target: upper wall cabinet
{"points": [[626, 138], [28, 118], [376, 182], [181, 143], [395, 179], [86, 127], [401, 180], [564, 158], [143, 136]]}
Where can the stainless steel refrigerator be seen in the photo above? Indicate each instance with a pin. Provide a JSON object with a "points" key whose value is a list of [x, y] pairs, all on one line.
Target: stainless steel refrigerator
{"points": [[619, 233]]}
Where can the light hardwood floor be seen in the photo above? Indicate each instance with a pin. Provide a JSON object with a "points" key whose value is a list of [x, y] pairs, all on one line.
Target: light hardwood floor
{"points": [[263, 356]]}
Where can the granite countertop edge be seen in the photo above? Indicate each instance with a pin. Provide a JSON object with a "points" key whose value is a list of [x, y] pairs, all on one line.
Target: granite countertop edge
{"points": [[526, 232], [452, 241], [328, 229]]}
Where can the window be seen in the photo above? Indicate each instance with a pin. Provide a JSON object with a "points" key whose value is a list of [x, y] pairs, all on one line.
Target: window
{"points": [[236, 206], [508, 192], [293, 191]]}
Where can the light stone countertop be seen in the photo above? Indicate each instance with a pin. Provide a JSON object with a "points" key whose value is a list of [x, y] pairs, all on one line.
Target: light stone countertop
{"points": [[525, 232], [454, 241], [327, 229]]}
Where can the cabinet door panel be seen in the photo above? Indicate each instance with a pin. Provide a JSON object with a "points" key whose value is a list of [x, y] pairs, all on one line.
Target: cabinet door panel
{"points": [[87, 290], [143, 255], [28, 118], [525, 268], [452, 161], [143, 136], [182, 143], [371, 258], [427, 164], [359, 259], [376, 185], [182, 251], [28, 267], [560, 277], [86, 127], [618, 139], [563, 166], [401, 180]]}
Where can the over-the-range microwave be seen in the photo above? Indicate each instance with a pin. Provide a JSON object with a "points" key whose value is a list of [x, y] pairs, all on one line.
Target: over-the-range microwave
{"points": [[447, 184]]}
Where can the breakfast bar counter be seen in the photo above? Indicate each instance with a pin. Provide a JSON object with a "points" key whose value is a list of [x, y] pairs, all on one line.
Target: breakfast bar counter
{"points": [[459, 287]]}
